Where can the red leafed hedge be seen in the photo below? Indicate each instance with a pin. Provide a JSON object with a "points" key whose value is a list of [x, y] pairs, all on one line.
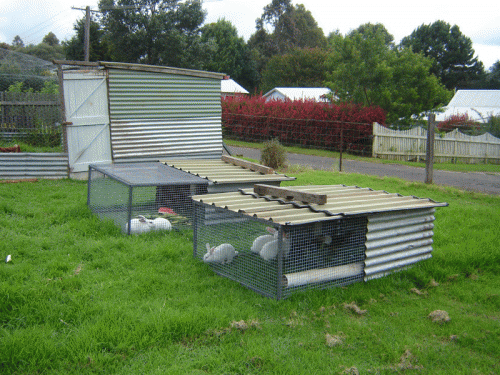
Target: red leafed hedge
{"points": [[305, 123], [461, 122]]}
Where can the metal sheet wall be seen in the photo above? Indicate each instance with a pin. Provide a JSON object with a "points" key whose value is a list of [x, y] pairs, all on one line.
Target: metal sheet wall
{"points": [[33, 165], [156, 115], [151, 140], [397, 240]]}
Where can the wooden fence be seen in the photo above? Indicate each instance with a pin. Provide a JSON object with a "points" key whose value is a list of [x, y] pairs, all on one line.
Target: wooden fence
{"points": [[411, 145]]}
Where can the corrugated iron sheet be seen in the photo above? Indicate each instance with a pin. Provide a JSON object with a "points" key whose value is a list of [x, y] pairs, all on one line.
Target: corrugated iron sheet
{"points": [[137, 95], [220, 172], [158, 114], [33, 165], [395, 241], [342, 201], [154, 139]]}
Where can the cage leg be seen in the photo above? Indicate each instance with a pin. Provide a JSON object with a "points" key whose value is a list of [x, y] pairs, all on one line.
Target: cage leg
{"points": [[279, 294], [129, 209]]}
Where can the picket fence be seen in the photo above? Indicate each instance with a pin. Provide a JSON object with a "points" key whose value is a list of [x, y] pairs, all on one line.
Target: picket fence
{"points": [[411, 145]]}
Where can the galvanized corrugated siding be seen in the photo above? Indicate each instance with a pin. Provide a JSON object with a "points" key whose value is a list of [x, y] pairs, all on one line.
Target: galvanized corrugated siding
{"points": [[157, 115], [33, 165], [151, 140], [397, 240], [135, 95]]}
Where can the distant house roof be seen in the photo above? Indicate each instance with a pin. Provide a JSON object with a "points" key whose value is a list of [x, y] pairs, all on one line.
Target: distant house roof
{"points": [[298, 93], [478, 104], [231, 87]]}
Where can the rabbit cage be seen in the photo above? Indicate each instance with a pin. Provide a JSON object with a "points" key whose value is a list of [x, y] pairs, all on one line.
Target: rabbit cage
{"points": [[276, 241], [140, 197]]}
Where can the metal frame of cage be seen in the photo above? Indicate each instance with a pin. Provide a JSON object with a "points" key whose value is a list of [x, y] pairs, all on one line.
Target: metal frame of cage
{"points": [[138, 197], [304, 255], [326, 251]]}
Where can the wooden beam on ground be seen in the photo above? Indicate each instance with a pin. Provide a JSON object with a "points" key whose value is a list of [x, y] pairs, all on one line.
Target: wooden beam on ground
{"points": [[18, 181], [247, 164], [289, 194]]}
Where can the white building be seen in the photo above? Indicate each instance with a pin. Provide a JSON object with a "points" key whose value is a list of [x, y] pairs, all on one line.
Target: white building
{"points": [[317, 94], [479, 105], [229, 87]]}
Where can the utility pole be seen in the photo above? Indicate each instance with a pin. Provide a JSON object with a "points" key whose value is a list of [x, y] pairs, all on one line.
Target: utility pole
{"points": [[86, 37], [86, 42]]}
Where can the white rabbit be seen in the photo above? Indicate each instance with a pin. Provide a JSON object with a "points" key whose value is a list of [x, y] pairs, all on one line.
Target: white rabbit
{"points": [[260, 241], [270, 249], [221, 254], [161, 223], [140, 225]]}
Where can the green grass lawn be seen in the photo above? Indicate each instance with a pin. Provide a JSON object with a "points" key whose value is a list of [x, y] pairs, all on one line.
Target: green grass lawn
{"points": [[80, 297], [455, 167]]}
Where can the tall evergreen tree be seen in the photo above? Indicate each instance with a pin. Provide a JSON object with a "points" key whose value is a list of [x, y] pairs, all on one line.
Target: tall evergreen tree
{"points": [[363, 68], [228, 53], [282, 28], [158, 32], [452, 52]]}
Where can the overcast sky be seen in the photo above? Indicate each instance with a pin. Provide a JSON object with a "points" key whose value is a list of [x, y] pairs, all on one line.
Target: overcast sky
{"points": [[479, 20]]}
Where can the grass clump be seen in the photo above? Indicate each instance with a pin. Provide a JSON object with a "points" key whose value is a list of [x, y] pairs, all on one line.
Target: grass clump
{"points": [[273, 154]]}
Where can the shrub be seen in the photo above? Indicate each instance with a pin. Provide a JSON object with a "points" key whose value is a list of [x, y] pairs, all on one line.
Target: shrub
{"points": [[492, 126], [461, 122], [273, 155], [301, 122]]}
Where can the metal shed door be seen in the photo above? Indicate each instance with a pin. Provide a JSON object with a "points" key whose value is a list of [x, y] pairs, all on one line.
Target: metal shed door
{"points": [[86, 106]]}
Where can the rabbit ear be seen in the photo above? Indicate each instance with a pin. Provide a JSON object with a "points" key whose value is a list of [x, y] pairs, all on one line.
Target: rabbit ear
{"points": [[142, 219], [208, 247], [271, 230]]}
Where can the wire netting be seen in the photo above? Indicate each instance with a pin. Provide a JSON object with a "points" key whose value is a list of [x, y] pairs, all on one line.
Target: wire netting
{"points": [[278, 260], [30, 112], [143, 197]]}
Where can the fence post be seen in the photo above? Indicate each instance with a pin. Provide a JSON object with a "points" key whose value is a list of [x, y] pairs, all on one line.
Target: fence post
{"points": [[429, 154], [341, 145]]}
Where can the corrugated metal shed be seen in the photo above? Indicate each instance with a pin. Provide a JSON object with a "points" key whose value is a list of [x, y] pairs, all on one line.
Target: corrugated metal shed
{"points": [[342, 201], [157, 111], [225, 176]]}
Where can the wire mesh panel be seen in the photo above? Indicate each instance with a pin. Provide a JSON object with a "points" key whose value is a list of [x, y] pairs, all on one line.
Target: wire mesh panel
{"points": [[142, 197], [277, 260]]}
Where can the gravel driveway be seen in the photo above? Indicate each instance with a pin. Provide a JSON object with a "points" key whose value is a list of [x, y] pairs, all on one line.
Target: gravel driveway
{"points": [[488, 183]]}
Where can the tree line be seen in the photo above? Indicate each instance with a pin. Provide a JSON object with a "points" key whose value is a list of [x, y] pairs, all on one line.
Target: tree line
{"points": [[288, 48]]}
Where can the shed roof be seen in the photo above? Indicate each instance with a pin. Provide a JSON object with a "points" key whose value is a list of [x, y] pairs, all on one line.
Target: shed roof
{"points": [[342, 201], [223, 172], [143, 68], [476, 98], [478, 104], [300, 93], [230, 86]]}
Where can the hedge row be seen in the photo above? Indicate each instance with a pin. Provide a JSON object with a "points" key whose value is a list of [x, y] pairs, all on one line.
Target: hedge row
{"points": [[305, 123]]}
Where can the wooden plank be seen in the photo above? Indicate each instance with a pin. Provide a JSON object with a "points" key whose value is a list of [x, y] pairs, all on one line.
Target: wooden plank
{"points": [[248, 165], [18, 180], [290, 194]]}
